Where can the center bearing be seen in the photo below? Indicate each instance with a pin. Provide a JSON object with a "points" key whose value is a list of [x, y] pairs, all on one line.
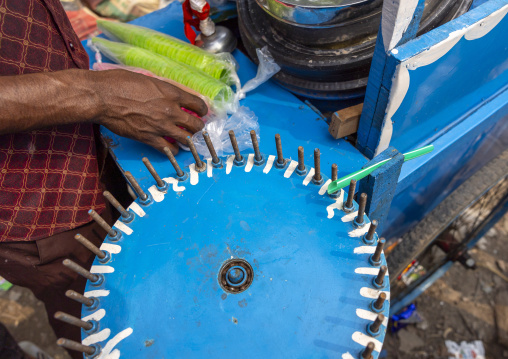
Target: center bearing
{"points": [[236, 275]]}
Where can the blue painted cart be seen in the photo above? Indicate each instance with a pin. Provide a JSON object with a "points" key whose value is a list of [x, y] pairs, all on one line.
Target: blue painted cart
{"points": [[447, 87]]}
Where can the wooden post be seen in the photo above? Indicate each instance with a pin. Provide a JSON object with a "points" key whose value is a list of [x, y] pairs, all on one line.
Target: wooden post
{"points": [[399, 23], [381, 184], [345, 122]]}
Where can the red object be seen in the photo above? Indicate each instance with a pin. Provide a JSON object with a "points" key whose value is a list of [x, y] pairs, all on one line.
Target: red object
{"points": [[49, 178], [84, 22], [191, 18]]}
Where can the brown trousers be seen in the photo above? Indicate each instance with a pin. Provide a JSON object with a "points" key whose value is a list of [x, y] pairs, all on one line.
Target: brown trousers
{"points": [[37, 265]]}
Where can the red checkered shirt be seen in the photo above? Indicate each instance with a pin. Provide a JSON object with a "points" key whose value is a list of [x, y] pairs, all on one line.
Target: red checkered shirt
{"points": [[49, 178]]}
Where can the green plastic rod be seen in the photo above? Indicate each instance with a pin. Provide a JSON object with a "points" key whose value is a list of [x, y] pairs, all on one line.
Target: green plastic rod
{"points": [[358, 175]]}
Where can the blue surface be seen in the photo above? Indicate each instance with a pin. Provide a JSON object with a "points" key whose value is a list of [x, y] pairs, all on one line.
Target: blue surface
{"points": [[303, 300], [301, 304], [455, 84]]}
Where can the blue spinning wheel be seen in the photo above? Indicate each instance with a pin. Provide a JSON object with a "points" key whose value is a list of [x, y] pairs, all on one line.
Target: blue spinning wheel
{"points": [[245, 257]]}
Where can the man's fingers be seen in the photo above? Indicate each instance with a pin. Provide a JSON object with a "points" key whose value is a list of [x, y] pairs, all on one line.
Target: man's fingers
{"points": [[190, 122], [159, 143], [193, 103]]}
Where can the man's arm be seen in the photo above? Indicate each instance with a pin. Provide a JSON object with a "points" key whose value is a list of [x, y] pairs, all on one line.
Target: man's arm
{"points": [[129, 104]]}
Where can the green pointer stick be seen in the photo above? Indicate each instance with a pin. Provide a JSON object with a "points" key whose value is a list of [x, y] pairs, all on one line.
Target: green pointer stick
{"points": [[358, 175]]}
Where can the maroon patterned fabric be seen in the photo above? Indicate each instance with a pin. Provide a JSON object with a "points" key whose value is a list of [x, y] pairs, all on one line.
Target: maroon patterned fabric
{"points": [[49, 178]]}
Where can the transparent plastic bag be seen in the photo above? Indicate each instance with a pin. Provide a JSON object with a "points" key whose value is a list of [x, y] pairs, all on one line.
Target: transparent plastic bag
{"points": [[221, 95], [218, 126], [219, 66], [266, 69]]}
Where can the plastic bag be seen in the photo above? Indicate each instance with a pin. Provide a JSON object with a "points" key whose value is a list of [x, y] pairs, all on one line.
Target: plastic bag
{"points": [[221, 94], [473, 350], [241, 122], [266, 69], [219, 66]]}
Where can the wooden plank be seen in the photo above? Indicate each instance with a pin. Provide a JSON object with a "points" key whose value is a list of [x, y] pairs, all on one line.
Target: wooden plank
{"points": [[399, 23], [381, 184], [345, 122]]}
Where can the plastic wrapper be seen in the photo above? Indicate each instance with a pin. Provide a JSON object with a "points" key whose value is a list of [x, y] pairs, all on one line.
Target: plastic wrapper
{"points": [[241, 122], [219, 66], [473, 350], [129, 55], [266, 69]]}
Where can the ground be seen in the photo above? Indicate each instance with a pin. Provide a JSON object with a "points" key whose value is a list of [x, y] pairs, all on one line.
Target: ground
{"points": [[464, 305]]}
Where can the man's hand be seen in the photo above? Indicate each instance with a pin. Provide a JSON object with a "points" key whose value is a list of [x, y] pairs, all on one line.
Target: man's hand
{"points": [[145, 108], [129, 104]]}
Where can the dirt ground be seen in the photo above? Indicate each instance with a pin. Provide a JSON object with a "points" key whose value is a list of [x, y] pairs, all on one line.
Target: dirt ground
{"points": [[464, 305]]}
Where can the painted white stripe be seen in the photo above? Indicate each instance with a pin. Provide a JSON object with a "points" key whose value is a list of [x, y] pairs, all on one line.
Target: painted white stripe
{"points": [[373, 293], [97, 293], [349, 217], [209, 167], [364, 339], [291, 168], [269, 164], [115, 354], [194, 176], [134, 207], [324, 187], [157, 195], [368, 315], [307, 179], [97, 316], [338, 204], [102, 269], [108, 348], [358, 232], [111, 248], [250, 162], [229, 164], [347, 356], [365, 250], [175, 183], [368, 270], [121, 226], [97, 337]]}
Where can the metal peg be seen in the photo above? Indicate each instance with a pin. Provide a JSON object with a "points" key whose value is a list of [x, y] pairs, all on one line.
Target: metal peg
{"points": [[135, 185], [348, 207], [359, 220], [211, 149], [317, 167], [72, 345], [200, 165], [90, 246], [335, 171], [101, 222], [69, 319], [179, 173], [374, 327], [280, 157], [80, 298], [367, 352], [376, 257], [380, 301], [380, 278], [257, 155], [126, 215], [80, 270], [370, 236], [300, 169], [238, 155], [161, 185]]}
